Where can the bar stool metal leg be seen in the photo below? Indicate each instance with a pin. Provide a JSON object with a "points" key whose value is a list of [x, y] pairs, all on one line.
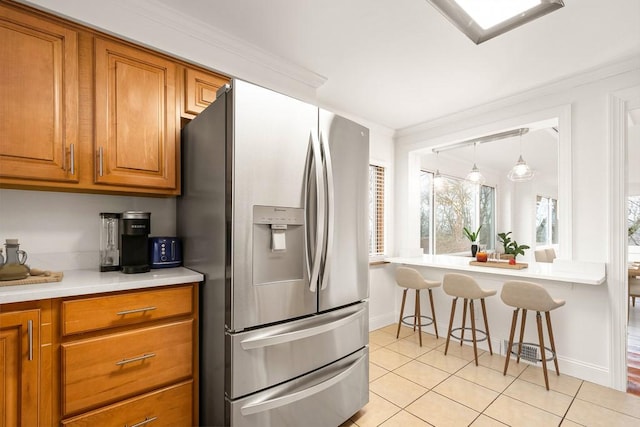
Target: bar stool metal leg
{"points": [[551, 341], [453, 312], [486, 324], [514, 322], [542, 350], [404, 297], [433, 313]]}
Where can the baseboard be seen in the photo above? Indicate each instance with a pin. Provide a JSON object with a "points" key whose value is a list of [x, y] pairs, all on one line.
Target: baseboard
{"points": [[381, 321]]}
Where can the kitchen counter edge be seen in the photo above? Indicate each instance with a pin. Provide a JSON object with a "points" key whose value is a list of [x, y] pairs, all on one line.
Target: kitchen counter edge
{"points": [[587, 273], [88, 282]]}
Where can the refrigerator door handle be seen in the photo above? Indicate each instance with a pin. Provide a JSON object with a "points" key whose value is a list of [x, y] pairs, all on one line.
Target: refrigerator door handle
{"points": [[267, 405], [316, 160], [260, 342], [330, 214]]}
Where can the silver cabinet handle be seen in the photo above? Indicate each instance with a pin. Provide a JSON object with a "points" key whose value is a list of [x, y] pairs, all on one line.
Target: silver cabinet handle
{"points": [[328, 248], [260, 342], [267, 405], [100, 161], [73, 158], [147, 420], [30, 334], [135, 359], [136, 310]]}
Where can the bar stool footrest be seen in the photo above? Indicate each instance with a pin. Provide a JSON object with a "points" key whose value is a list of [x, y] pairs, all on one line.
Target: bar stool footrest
{"points": [[429, 321], [478, 331]]}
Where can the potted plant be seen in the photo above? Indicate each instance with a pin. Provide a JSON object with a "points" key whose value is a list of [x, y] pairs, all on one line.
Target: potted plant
{"points": [[511, 248], [473, 238], [515, 250], [506, 245]]}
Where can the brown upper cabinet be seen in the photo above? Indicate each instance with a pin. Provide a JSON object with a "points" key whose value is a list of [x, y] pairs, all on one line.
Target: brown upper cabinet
{"points": [[38, 98], [135, 103], [83, 111], [199, 91]]}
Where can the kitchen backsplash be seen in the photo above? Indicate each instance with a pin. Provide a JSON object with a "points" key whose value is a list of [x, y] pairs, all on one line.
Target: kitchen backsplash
{"points": [[61, 231]]}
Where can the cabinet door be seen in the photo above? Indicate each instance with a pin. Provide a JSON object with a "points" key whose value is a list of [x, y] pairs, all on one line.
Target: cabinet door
{"points": [[38, 98], [19, 367], [135, 114], [199, 91]]}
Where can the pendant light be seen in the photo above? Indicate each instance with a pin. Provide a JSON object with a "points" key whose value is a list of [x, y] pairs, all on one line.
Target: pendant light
{"points": [[475, 177], [438, 179], [520, 171]]}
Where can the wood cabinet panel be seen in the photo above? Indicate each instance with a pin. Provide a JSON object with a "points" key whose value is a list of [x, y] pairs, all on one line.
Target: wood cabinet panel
{"points": [[200, 90], [135, 113], [20, 367], [38, 98], [91, 314], [168, 407], [119, 366]]}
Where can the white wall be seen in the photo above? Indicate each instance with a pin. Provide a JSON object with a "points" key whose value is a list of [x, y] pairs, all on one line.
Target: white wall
{"points": [[61, 231], [590, 237]]}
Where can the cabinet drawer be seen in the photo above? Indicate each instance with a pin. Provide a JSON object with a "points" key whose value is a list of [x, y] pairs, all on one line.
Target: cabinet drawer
{"points": [[168, 407], [102, 370], [91, 314]]}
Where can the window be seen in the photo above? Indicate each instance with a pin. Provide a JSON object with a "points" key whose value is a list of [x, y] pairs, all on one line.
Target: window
{"points": [[546, 221], [446, 210], [376, 210], [633, 220]]}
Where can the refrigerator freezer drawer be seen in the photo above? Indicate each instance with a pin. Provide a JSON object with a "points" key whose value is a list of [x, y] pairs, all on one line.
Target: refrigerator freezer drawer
{"points": [[326, 397], [269, 356]]}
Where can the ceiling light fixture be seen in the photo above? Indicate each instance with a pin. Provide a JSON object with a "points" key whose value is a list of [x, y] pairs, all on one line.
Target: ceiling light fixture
{"points": [[481, 140], [475, 177], [520, 171], [438, 180], [484, 20]]}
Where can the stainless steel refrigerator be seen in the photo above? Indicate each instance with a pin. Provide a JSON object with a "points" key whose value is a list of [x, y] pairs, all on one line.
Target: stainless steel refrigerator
{"points": [[274, 213]]}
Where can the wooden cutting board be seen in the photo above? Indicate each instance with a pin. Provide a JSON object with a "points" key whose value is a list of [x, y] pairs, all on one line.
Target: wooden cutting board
{"points": [[32, 280], [496, 264]]}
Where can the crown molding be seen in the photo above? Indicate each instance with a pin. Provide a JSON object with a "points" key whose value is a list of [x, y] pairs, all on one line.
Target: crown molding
{"points": [[161, 27]]}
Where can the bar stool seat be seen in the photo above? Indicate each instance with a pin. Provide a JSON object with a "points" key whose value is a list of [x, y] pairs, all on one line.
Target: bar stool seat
{"points": [[410, 278], [530, 296], [465, 287]]}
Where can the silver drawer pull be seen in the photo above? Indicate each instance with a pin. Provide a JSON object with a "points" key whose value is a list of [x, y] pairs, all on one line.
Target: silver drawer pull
{"points": [[30, 334], [135, 359], [147, 420], [136, 310]]}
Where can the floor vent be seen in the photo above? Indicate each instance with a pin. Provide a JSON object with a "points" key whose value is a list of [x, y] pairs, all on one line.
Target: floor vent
{"points": [[529, 352]]}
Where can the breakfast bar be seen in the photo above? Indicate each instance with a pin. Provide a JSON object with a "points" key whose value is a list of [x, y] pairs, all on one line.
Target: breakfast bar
{"points": [[581, 284]]}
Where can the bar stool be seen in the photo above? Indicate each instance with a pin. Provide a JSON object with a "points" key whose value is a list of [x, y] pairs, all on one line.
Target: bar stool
{"points": [[410, 278], [530, 296], [463, 286]]}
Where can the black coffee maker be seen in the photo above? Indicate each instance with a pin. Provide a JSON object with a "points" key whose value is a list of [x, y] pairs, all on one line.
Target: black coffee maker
{"points": [[134, 247]]}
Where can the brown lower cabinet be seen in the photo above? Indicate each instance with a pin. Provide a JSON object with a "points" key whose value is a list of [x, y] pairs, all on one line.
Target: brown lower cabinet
{"points": [[123, 358], [169, 406], [25, 364]]}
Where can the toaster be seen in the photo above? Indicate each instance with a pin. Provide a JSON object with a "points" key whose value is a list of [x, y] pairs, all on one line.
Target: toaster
{"points": [[165, 252]]}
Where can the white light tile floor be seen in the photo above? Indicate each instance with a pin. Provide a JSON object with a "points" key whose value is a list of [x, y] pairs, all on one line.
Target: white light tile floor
{"points": [[414, 386]]}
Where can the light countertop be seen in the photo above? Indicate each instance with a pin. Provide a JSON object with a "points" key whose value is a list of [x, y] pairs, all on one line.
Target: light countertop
{"points": [[85, 282], [588, 273]]}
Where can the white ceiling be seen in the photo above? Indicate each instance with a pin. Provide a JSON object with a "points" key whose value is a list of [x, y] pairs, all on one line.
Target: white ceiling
{"points": [[399, 63]]}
